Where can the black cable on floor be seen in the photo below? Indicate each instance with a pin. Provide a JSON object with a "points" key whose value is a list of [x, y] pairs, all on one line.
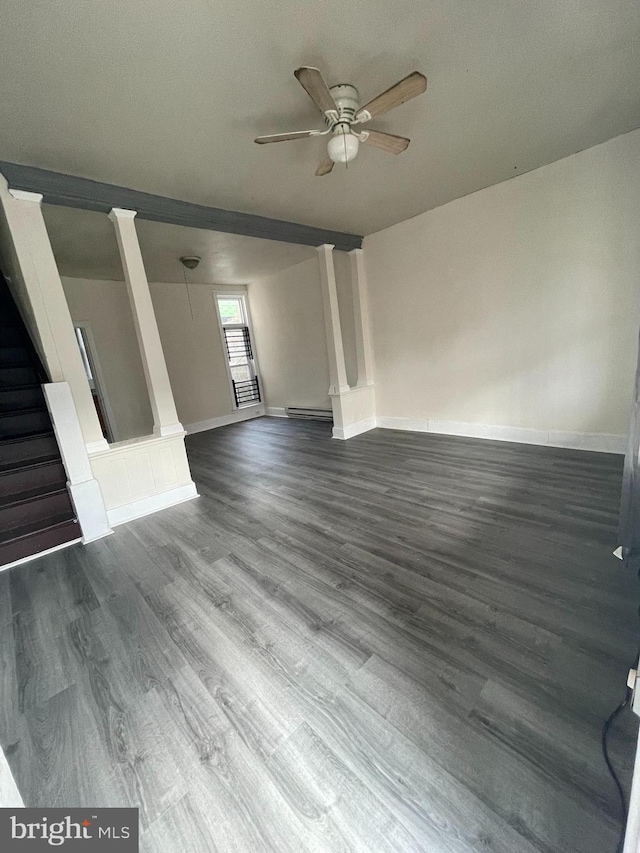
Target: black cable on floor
{"points": [[605, 751]]}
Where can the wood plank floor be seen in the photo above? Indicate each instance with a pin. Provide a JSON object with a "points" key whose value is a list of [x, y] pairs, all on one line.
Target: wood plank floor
{"points": [[401, 642]]}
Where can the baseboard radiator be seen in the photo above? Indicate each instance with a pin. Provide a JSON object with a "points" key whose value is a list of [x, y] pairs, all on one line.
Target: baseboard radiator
{"points": [[309, 414]]}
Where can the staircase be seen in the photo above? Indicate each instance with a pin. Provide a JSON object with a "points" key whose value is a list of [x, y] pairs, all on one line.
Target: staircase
{"points": [[35, 508]]}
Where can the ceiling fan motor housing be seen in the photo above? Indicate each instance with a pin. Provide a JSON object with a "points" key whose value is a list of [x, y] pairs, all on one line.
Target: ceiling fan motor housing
{"points": [[343, 145], [346, 98]]}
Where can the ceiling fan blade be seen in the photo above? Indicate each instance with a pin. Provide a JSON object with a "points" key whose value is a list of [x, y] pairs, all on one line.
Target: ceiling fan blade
{"points": [[385, 141], [412, 86], [282, 137], [313, 82], [325, 167]]}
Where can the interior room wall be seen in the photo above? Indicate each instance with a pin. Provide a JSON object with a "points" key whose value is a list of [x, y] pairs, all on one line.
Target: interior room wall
{"points": [[105, 306], [193, 350], [517, 305], [288, 322]]}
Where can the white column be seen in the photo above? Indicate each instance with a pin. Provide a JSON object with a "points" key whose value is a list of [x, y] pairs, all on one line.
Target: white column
{"points": [[335, 351], [165, 417], [364, 356], [38, 289]]}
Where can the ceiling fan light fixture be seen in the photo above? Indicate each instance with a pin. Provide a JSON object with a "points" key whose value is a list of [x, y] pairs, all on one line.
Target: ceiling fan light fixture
{"points": [[190, 261], [343, 147]]}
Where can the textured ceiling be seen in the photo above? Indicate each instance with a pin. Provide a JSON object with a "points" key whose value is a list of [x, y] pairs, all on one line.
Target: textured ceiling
{"points": [[167, 95], [84, 245]]}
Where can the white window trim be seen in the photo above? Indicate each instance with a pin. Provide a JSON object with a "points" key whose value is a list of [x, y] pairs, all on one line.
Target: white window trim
{"points": [[240, 293]]}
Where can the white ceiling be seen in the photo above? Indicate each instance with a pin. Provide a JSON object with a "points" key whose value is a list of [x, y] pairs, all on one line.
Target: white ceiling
{"points": [[167, 95], [84, 245]]}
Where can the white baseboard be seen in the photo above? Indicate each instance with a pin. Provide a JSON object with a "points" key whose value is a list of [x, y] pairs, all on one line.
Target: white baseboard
{"points": [[137, 509], [224, 420], [275, 412], [598, 441], [354, 429]]}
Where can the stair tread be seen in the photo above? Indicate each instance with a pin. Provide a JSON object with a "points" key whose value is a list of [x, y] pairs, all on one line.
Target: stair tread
{"points": [[17, 464], [20, 439], [36, 527], [17, 412], [25, 498], [15, 366], [15, 439], [33, 493], [9, 389], [31, 464]]}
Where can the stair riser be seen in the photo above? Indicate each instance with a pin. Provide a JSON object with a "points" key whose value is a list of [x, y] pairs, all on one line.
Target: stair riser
{"points": [[12, 376], [44, 477], [37, 542], [37, 509], [23, 423], [20, 453], [15, 399], [11, 336], [13, 356]]}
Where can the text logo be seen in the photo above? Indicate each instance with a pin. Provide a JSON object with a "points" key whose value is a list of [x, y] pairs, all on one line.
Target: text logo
{"points": [[73, 830]]}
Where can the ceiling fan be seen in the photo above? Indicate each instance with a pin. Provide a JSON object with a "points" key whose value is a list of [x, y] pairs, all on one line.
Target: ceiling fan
{"points": [[339, 105]]}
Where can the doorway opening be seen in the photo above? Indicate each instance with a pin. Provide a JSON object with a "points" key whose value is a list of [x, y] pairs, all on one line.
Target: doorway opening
{"points": [[92, 371]]}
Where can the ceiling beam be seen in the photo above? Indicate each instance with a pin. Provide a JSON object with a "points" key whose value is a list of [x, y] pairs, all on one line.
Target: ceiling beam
{"points": [[70, 191]]}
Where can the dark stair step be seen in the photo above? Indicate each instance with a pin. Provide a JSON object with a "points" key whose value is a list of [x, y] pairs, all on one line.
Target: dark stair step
{"points": [[21, 398], [34, 510], [31, 480], [14, 356], [10, 377], [27, 451], [12, 335], [32, 539], [28, 422]]}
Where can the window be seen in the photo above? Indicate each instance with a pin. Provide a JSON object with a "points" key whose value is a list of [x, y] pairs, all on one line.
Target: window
{"points": [[231, 310], [239, 350]]}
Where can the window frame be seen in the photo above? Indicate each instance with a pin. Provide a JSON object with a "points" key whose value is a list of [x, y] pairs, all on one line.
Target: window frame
{"points": [[240, 293]]}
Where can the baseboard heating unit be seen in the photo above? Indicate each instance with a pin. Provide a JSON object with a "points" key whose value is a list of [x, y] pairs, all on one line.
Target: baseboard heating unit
{"points": [[309, 414]]}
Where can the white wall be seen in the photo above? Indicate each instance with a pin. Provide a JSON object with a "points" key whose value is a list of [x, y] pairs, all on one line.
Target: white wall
{"points": [[193, 350], [288, 323], [105, 306], [517, 305]]}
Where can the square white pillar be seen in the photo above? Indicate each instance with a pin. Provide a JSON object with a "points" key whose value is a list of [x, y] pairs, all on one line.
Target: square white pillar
{"points": [[364, 355], [165, 417], [335, 350]]}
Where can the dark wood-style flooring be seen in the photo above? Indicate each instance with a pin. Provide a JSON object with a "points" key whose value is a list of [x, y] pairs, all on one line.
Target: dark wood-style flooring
{"points": [[401, 642]]}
